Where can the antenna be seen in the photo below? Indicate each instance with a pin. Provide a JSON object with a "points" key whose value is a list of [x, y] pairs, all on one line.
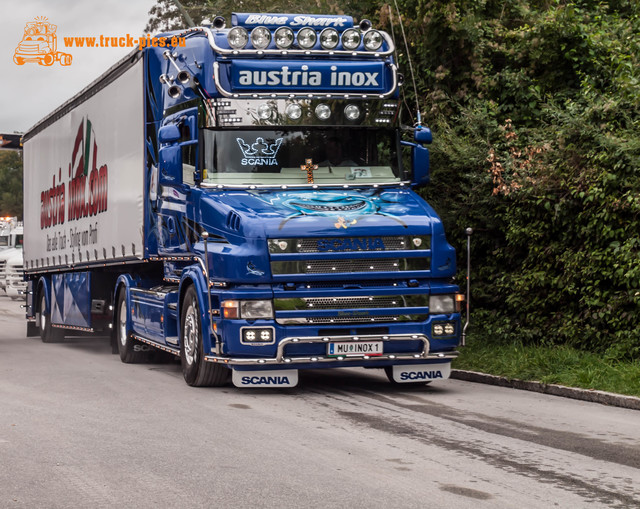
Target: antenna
{"points": [[413, 77]]}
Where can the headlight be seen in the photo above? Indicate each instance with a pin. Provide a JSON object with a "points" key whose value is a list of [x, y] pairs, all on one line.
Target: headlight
{"points": [[237, 37], [307, 38], [293, 111], [372, 40], [323, 112], [351, 38], [352, 112], [442, 304], [260, 37], [443, 329], [284, 37], [248, 309], [329, 38]]}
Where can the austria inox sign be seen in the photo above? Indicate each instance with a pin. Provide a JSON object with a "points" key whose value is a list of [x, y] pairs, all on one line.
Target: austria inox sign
{"points": [[363, 77]]}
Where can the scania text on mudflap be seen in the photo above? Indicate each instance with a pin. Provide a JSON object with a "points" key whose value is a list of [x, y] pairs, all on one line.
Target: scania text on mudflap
{"points": [[241, 201]]}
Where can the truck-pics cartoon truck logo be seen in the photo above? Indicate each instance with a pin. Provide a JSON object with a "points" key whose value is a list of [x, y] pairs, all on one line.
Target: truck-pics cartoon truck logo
{"points": [[39, 44]]}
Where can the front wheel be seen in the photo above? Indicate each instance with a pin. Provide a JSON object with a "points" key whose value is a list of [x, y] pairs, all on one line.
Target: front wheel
{"points": [[197, 372], [130, 350]]}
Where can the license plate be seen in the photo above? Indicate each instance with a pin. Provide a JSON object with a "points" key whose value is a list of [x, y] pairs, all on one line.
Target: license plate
{"points": [[354, 349]]}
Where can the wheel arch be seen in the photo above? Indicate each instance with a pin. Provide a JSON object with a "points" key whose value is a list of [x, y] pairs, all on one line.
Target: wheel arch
{"points": [[192, 276]]}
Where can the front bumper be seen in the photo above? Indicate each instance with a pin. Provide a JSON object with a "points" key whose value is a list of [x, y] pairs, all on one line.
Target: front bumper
{"points": [[301, 361]]}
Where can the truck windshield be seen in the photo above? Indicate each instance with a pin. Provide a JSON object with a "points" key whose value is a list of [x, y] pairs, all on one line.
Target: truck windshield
{"points": [[274, 157]]}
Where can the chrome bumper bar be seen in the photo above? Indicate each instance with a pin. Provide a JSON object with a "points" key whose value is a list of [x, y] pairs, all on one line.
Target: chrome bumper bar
{"points": [[281, 359]]}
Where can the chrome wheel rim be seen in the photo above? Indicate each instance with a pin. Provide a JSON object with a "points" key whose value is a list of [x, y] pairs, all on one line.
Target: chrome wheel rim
{"points": [[122, 322], [43, 318], [190, 335]]}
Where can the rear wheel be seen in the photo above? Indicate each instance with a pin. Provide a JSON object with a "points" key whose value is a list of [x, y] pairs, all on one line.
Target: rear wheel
{"points": [[130, 350], [48, 334], [197, 372]]}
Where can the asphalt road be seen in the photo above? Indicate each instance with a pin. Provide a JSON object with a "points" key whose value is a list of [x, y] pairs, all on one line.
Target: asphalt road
{"points": [[80, 429]]}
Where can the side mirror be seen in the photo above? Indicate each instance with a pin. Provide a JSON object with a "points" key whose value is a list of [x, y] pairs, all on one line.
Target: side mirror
{"points": [[168, 134], [423, 135], [170, 165], [420, 162]]}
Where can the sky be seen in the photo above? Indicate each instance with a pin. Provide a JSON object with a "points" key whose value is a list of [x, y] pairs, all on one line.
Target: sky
{"points": [[30, 91]]}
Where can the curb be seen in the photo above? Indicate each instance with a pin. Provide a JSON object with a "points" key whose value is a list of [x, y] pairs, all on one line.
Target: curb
{"points": [[593, 396]]}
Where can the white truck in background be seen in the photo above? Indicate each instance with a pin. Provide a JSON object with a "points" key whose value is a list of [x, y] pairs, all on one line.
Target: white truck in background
{"points": [[11, 257]]}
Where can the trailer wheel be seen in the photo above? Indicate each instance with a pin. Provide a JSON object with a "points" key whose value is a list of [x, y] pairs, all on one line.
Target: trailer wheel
{"points": [[130, 350], [197, 372], [48, 334]]}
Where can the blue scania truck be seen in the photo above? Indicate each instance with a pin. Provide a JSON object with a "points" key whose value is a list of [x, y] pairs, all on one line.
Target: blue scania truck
{"points": [[243, 198]]}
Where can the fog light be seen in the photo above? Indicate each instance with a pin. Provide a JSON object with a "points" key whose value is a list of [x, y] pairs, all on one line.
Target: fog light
{"points": [[372, 40], [237, 37], [329, 38], [449, 329], [257, 335], [284, 37], [293, 111], [352, 112], [307, 38], [323, 112], [438, 330], [351, 39], [260, 37]]}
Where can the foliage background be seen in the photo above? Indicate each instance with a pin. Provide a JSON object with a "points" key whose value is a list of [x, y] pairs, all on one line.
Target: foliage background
{"points": [[534, 105]]}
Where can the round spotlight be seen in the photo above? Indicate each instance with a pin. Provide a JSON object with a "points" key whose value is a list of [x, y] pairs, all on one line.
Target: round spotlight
{"points": [[352, 112], [237, 38], [351, 39], [260, 37], [307, 38], [265, 112], [293, 111], [329, 38], [284, 37], [372, 40], [365, 25], [323, 112]]}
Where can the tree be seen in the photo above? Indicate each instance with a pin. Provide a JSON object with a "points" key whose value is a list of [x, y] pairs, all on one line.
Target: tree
{"points": [[11, 183]]}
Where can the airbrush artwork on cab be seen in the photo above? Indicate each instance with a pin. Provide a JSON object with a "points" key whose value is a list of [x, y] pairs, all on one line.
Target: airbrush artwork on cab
{"points": [[344, 209]]}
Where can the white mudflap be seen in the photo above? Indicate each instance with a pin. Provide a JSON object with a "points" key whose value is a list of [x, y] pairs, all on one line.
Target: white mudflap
{"points": [[422, 372], [267, 378]]}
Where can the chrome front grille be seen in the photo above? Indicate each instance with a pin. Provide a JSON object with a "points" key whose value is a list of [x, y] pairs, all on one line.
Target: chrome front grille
{"points": [[350, 244]]}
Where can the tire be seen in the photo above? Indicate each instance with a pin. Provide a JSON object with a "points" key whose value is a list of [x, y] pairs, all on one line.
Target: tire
{"points": [[65, 59], [196, 371], [18, 60], [48, 334], [130, 350], [48, 60]]}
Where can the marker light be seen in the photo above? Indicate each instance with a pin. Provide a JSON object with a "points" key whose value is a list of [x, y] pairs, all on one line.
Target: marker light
{"points": [[352, 112], [265, 112], [372, 40], [323, 112], [284, 37], [260, 37], [293, 111], [329, 38], [237, 37], [307, 38], [351, 38]]}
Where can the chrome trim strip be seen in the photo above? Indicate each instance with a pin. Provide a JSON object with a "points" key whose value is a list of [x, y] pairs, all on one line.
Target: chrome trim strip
{"points": [[174, 351]]}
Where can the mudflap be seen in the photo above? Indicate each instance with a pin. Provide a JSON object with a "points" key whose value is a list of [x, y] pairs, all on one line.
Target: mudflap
{"points": [[265, 378], [32, 329], [422, 372]]}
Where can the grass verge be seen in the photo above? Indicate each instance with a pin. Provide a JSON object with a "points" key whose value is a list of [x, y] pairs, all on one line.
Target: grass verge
{"points": [[552, 365]]}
